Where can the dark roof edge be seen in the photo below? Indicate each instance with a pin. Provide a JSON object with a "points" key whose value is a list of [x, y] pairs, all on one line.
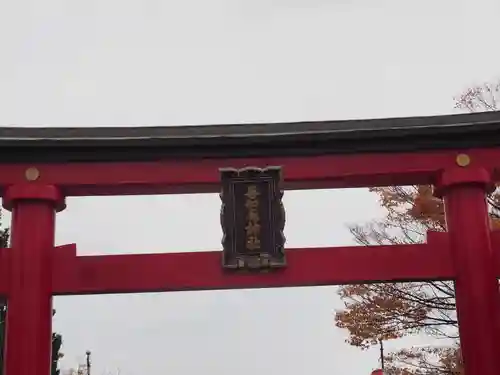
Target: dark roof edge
{"points": [[249, 140], [347, 127]]}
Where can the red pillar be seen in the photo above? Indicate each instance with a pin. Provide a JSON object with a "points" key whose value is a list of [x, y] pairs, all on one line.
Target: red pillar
{"points": [[476, 287], [29, 309]]}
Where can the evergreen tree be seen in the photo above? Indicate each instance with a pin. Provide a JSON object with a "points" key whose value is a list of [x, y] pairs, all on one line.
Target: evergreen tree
{"points": [[56, 353]]}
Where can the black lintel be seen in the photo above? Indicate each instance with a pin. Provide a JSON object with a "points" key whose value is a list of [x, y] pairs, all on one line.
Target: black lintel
{"points": [[94, 144]]}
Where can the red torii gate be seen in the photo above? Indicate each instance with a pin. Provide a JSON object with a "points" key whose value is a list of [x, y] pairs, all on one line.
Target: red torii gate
{"points": [[39, 167]]}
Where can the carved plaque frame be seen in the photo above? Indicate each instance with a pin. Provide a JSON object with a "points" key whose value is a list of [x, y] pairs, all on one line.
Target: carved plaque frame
{"points": [[252, 218]]}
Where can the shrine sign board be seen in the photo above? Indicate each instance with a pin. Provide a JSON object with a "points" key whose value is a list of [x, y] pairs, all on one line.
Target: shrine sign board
{"points": [[252, 218]]}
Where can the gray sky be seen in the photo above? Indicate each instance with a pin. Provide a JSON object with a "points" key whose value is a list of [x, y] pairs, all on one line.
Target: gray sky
{"points": [[131, 62]]}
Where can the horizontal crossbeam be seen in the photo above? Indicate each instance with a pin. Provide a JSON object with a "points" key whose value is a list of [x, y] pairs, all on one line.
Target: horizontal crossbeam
{"points": [[141, 273], [202, 176]]}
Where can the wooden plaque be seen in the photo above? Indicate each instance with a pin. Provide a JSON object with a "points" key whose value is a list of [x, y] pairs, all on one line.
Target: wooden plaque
{"points": [[252, 218]]}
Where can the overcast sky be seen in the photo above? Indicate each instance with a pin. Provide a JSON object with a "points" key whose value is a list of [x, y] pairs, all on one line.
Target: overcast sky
{"points": [[152, 62]]}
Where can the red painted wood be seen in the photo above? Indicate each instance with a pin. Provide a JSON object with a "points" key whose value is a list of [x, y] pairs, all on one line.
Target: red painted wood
{"points": [[198, 271], [29, 313], [196, 176], [31, 191], [80, 275], [466, 253], [495, 244], [476, 285], [4, 272]]}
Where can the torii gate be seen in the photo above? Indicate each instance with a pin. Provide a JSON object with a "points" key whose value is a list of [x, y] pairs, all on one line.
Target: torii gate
{"points": [[39, 167]]}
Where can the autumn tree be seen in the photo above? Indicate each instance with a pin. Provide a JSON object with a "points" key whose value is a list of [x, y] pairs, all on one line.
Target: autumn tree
{"points": [[375, 312]]}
